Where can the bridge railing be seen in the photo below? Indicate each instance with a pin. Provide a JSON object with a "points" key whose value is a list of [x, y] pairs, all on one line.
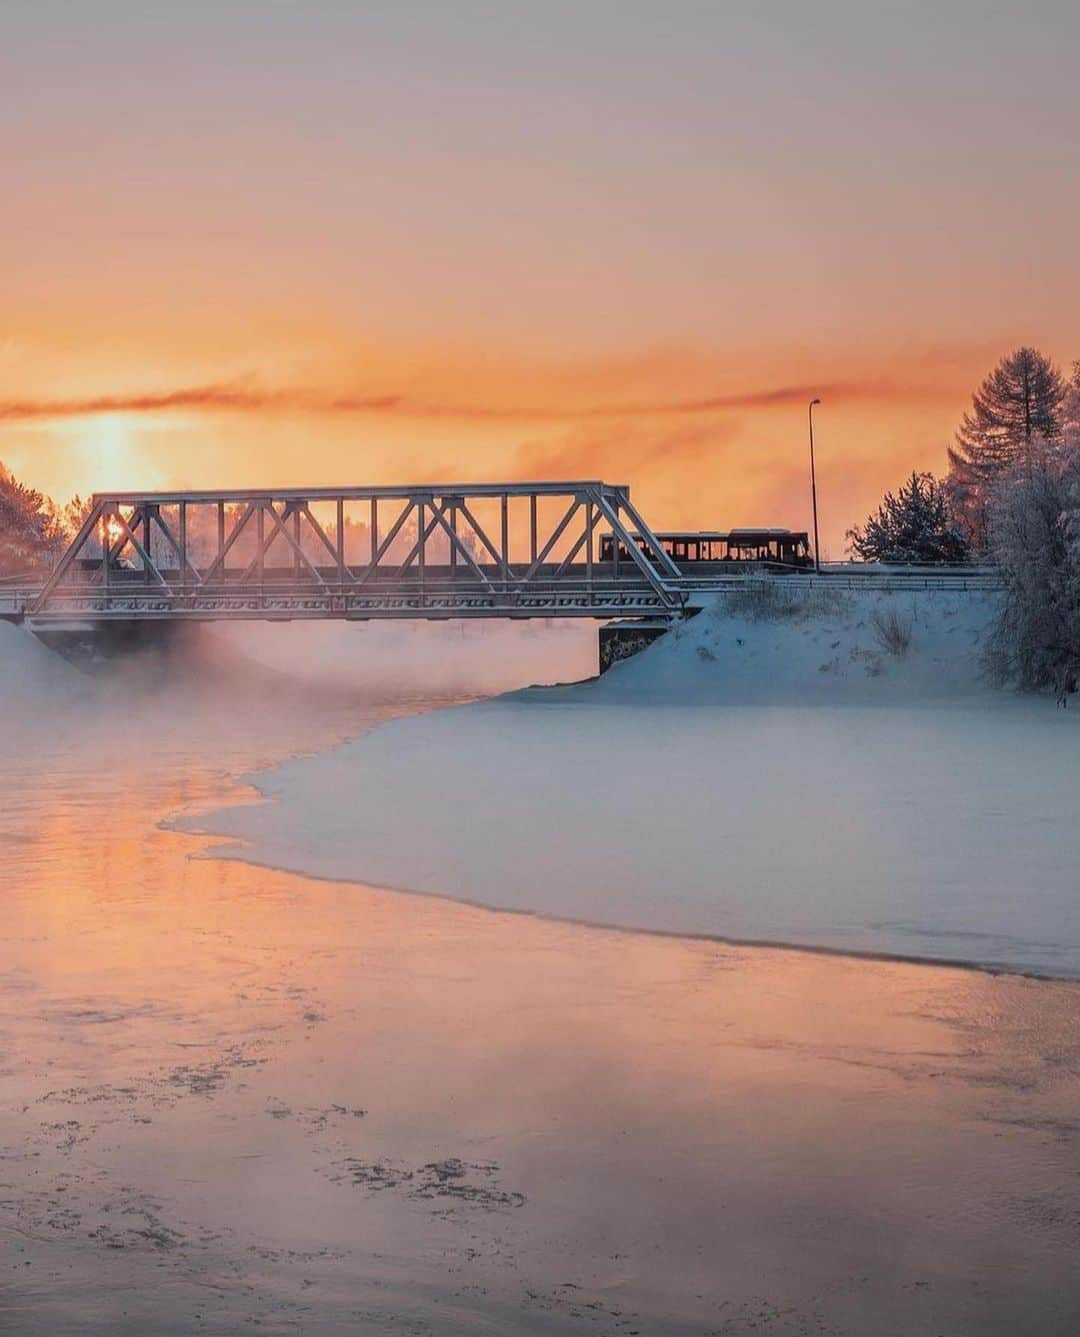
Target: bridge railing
{"points": [[881, 581]]}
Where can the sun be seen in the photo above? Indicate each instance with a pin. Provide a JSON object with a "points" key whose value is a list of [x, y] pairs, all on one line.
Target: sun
{"points": [[108, 448], [104, 454]]}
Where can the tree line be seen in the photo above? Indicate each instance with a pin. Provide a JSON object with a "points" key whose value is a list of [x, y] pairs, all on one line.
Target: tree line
{"points": [[1024, 419], [1010, 497]]}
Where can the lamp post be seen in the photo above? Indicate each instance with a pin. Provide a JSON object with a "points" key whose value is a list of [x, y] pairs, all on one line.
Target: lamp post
{"points": [[813, 484]]}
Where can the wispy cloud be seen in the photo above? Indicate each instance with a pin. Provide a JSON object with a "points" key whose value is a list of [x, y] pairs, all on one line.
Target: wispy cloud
{"points": [[231, 396], [611, 451], [246, 397]]}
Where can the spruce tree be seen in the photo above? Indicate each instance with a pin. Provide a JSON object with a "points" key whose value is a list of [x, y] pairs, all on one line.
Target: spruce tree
{"points": [[1015, 414], [911, 526]]}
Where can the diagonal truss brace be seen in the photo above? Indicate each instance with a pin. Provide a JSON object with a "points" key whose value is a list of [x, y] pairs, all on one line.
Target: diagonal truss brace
{"points": [[476, 569]]}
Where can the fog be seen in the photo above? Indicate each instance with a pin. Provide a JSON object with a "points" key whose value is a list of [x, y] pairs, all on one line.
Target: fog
{"points": [[468, 658], [214, 683]]}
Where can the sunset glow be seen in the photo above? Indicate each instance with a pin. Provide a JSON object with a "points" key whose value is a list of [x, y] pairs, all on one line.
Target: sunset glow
{"points": [[396, 243], [539, 611]]}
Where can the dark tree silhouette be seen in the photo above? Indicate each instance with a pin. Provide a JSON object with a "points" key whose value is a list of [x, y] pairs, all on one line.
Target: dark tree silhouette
{"points": [[1015, 415], [31, 533], [912, 525]]}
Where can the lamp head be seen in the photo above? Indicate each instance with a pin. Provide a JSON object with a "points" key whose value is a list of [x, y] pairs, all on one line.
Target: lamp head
{"points": [[814, 401]]}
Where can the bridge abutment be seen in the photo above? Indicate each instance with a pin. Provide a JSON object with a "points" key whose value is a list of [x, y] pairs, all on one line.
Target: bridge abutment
{"points": [[622, 640]]}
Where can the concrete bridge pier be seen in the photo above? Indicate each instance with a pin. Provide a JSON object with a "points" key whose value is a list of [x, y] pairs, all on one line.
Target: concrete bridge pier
{"points": [[621, 640]]}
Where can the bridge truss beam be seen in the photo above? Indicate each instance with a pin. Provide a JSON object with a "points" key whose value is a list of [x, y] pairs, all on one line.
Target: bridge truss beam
{"points": [[462, 550]]}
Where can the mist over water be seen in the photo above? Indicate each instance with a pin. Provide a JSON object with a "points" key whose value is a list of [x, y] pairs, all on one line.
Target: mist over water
{"points": [[465, 658], [184, 690]]}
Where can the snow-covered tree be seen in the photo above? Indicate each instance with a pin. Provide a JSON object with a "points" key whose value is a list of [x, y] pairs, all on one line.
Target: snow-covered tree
{"points": [[31, 533], [911, 525], [1034, 536], [1070, 411], [1016, 413]]}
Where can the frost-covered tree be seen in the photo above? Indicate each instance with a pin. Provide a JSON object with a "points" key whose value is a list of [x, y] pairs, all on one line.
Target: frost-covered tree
{"points": [[31, 533], [1070, 411], [911, 525], [1016, 411], [1034, 536]]}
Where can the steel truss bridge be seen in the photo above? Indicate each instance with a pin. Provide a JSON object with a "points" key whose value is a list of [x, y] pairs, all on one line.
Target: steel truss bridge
{"points": [[517, 550]]}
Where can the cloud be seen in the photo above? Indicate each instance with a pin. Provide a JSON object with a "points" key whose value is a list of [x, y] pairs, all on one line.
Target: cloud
{"points": [[624, 451], [233, 396], [248, 397]]}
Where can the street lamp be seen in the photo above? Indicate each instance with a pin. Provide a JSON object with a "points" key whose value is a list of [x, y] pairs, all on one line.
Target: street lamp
{"points": [[813, 484]]}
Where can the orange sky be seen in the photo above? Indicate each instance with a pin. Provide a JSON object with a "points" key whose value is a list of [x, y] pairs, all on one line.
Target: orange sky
{"points": [[371, 243]]}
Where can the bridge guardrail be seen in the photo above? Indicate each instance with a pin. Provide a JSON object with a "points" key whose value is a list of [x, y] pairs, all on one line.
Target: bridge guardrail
{"points": [[884, 583], [15, 599]]}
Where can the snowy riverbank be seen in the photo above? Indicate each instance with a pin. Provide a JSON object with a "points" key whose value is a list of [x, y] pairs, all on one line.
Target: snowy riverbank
{"points": [[785, 780]]}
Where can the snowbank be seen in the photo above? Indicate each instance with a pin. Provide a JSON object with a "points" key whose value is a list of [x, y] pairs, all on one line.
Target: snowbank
{"points": [[829, 646], [819, 791]]}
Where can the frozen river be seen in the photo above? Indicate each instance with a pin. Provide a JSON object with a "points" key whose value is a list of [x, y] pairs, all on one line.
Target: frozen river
{"points": [[234, 1097]]}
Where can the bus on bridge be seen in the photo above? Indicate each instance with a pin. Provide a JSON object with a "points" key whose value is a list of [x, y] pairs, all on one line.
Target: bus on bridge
{"points": [[693, 550]]}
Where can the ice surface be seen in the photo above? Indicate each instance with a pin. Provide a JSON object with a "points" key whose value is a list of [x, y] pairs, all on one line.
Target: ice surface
{"points": [[793, 783]]}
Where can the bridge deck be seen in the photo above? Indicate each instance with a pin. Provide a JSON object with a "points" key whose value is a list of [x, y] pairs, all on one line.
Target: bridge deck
{"points": [[282, 594]]}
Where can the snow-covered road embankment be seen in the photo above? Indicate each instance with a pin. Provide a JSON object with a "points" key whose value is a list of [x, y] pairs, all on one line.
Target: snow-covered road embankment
{"points": [[785, 777]]}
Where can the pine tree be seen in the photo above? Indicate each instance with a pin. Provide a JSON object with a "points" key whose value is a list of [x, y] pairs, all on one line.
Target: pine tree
{"points": [[1015, 415], [911, 526]]}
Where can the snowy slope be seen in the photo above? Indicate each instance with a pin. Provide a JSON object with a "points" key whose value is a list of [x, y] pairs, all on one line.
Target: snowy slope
{"points": [[823, 647]]}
